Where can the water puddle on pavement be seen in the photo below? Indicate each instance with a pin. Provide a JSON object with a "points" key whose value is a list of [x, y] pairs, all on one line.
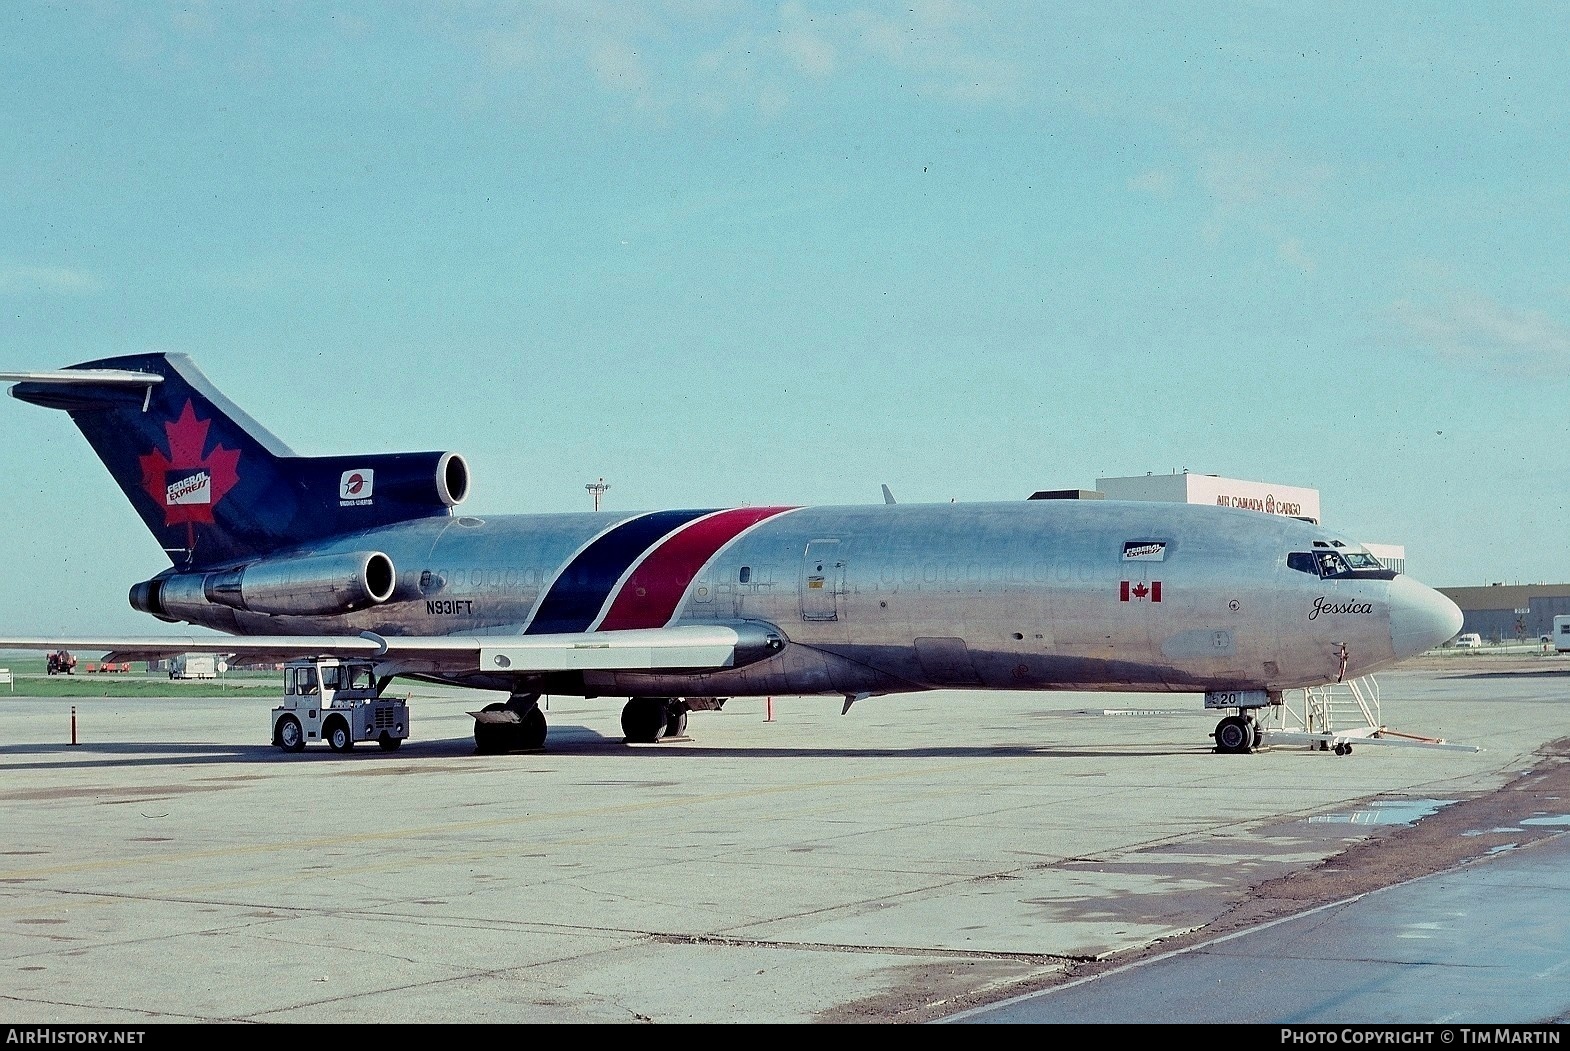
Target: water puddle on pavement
{"points": [[1385, 812]]}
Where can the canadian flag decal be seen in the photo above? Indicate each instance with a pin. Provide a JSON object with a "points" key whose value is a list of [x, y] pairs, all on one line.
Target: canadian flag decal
{"points": [[1139, 591]]}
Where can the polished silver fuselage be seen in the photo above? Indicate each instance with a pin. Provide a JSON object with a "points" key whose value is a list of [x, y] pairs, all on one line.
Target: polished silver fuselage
{"points": [[892, 598]]}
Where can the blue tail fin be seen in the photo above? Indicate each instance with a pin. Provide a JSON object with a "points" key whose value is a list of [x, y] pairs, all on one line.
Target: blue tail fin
{"points": [[212, 484]]}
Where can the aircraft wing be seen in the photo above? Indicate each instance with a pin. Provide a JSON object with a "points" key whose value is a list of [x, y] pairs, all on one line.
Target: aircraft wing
{"points": [[688, 647]]}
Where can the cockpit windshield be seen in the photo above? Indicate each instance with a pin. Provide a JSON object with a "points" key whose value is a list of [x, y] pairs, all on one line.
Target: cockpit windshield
{"points": [[1337, 559]]}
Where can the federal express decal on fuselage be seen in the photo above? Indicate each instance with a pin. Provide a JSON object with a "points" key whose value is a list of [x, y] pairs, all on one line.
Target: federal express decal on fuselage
{"points": [[1145, 551]]}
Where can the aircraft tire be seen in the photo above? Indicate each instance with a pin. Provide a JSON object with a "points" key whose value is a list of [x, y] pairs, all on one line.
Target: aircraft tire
{"points": [[530, 733], [676, 718], [1234, 736], [290, 737], [675, 723], [491, 738], [645, 719]]}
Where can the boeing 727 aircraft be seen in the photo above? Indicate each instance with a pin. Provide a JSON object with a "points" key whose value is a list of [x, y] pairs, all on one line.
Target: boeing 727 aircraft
{"points": [[675, 610]]}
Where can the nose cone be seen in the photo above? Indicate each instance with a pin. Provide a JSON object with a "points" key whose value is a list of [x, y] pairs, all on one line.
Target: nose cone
{"points": [[1420, 617]]}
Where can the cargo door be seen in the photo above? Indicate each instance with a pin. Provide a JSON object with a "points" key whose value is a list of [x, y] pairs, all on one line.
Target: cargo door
{"points": [[822, 581]]}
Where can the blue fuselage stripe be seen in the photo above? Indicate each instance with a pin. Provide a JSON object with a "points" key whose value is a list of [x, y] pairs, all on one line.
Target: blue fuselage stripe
{"points": [[576, 596]]}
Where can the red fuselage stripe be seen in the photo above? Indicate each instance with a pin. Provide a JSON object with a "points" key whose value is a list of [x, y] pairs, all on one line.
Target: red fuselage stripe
{"points": [[649, 597]]}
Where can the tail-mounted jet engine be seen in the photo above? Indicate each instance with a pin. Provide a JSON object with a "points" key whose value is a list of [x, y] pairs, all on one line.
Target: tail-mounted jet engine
{"points": [[313, 586]]}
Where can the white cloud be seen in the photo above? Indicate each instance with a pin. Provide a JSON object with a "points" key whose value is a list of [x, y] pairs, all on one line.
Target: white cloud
{"points": [[1156, 181], [616, 64], [1262, 194], [1474, 330], [808, 53], [1242, 180], [15, 278], [725, 56], [1292, 252]]}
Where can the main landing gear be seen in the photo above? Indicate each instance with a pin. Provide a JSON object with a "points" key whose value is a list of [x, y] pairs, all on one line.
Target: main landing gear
{"points": [[647, 720], [1238, 735], [519, 725]]}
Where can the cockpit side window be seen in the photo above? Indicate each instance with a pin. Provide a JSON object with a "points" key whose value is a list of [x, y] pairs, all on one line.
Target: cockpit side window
{"points": [[1331, 564], [1338, 562]]}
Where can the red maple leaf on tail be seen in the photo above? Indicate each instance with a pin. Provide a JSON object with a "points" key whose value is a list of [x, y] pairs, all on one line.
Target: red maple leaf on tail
{"points": [[187, 441]]}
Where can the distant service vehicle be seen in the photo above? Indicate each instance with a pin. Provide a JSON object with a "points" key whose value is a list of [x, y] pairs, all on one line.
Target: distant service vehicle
{"points": [[61, 662], [1470, 640], [196, 666], [1561, 634]]}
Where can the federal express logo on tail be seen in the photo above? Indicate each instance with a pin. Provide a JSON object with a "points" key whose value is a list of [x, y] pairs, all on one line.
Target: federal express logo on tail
{"points": [[189, 480], [195, 487]]}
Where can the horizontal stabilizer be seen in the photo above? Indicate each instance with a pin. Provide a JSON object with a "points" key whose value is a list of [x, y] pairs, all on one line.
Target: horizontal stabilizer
{"points": [[85, 377]]}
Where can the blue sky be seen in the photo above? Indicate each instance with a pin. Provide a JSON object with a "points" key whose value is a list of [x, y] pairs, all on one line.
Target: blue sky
{"points": [[721, 253]]}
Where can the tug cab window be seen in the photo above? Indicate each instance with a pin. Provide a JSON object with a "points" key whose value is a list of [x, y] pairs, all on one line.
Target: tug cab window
{"points": [[301, 681]]}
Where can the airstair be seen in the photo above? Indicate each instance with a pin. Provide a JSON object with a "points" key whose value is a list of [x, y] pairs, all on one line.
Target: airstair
{"points": [[1331, 718]]}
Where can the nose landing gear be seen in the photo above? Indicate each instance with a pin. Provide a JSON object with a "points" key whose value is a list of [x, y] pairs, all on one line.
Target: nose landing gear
{"points": [[1237, 735]]}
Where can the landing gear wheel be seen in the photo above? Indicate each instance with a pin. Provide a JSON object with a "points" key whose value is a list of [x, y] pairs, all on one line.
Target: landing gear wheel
{"points": [[676, 718], [1343, 748], [491, 738], [388, 743], [645, 720], [1234, 736], [290, 737], [339, 739], [529, 734], [526, 732]]}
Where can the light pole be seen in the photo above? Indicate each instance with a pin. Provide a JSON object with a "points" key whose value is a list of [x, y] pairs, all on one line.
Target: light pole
{"points": [[597, 488]]}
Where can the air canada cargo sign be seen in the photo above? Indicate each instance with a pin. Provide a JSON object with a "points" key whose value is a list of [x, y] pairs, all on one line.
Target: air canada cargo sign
{"points": [[1268, 504], [1287, 501]]}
